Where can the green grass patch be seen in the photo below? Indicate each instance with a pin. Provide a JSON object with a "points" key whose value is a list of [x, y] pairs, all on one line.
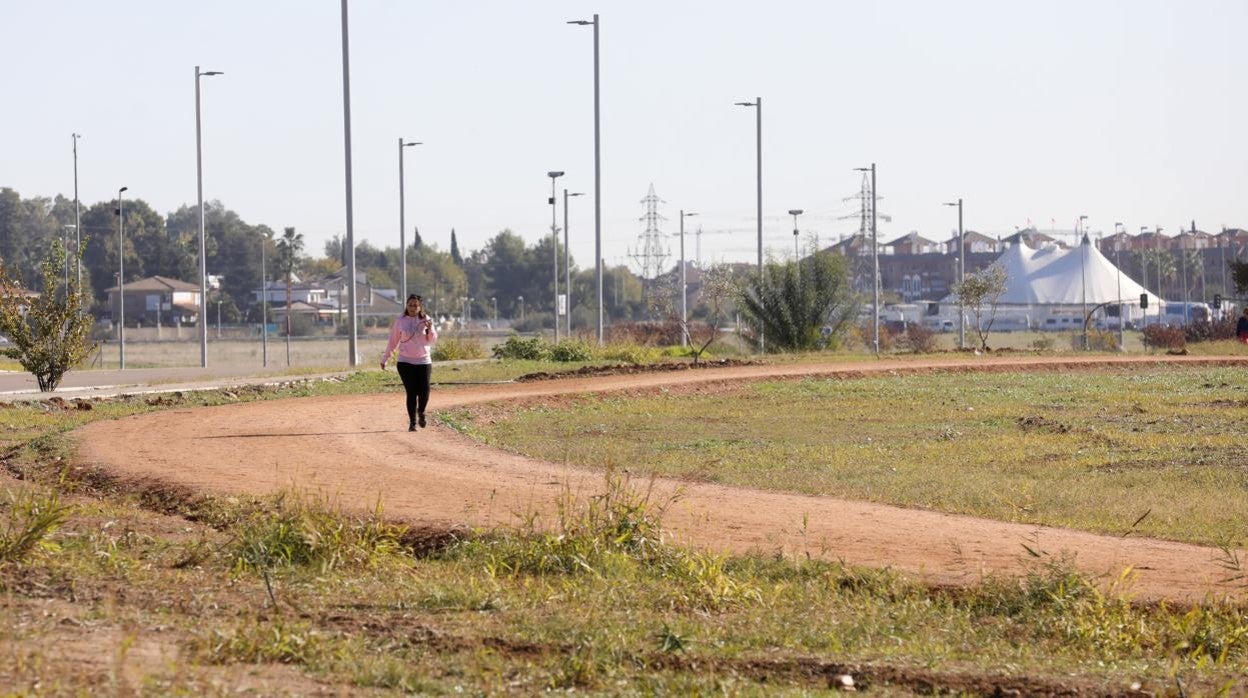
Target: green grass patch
{"points": [[1092, 449]]}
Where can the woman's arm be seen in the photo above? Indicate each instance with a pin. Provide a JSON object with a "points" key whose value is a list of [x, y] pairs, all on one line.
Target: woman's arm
{"points": [[390, 345]]}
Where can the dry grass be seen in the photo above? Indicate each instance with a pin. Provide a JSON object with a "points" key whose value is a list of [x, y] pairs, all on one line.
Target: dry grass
{"points": [[285, 595]]}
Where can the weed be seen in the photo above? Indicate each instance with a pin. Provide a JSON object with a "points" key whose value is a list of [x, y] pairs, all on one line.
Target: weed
{"points": [[32, 515], [303, 533]]}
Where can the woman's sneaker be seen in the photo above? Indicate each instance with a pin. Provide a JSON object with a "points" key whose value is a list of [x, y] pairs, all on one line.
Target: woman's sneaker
{"points": [[411, 426], [421, 419]]}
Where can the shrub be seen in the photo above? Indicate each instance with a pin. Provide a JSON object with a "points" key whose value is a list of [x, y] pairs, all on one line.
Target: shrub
{"points": [[522, 348], [628, 353], [48, 333], [1098, 340], [648, 333], [457, 346], [301, 534], [31, 517], [1045, 343], [917, 339], [1210, 331], [571, 350], [1164, 337]]}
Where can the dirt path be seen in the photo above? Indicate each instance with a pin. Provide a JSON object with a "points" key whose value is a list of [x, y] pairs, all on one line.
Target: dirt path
{"points": [[357, 450]]}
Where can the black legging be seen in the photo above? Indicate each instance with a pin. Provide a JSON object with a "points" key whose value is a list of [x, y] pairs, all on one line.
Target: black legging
{"points": [[416, 383]]}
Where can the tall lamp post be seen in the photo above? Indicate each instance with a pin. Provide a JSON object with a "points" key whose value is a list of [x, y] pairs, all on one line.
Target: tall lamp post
{"points": [[684, 293], [199, 188], [521, 299], [554, 243], [961, 275], [875, 265], [1120, 231], [1083, 274], [597, 178], [352, 344], [77, 214], [797, 255], [264, 304], [567, 258], [757, 105], [402, 224], [121, 279], [494, 307]]}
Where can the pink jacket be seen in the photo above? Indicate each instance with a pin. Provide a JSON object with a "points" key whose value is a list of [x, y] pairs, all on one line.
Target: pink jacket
{"points": [[413, 342]]}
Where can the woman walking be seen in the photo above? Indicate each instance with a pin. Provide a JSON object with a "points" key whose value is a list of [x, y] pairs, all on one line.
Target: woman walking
{"points": [[413, 334]]}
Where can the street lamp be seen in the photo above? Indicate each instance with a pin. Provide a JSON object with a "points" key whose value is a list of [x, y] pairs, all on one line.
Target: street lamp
{"points": [[121, 280], [199, 188], [77, 214], [961, 276], [1083, 274], [521, 299], [684, 295], [353, 357], [757, 104], [875, 265], [1120, 231], [567, 259], [494, 307], [597, 177], [554, 243], [264, 304], [795, 212], [402, 225]]}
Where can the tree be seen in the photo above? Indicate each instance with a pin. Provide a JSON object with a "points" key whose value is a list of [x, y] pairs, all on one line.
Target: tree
{"points": [[416, 241], [49, 334], [793, 308], [289, 247], [1239, 275], [455, 256], [983, 286], [717, 293]]}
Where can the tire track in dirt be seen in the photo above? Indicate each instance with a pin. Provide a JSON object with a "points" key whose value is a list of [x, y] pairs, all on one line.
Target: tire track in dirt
{"points": [[356, 451]]}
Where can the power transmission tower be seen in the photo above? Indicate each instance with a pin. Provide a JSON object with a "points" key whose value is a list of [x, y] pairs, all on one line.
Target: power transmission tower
{"points": [[652, 251], [861, 263]]}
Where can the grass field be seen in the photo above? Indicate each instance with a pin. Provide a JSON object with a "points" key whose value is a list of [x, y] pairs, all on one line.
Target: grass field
{"points": [[1094, 450], [106, 590]]}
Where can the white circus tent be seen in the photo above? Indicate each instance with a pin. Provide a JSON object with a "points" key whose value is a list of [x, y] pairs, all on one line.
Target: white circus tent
{"points": [[1053, 282]]}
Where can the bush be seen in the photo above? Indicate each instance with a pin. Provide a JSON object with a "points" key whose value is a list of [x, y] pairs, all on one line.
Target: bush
{"points": [[457, 346], [1098, 340], [647, 333], [917, 339], [628, 352], [522, 348], [30, 517], [1165, 337], [1210, 331], [571, 350], [1045, 343]]}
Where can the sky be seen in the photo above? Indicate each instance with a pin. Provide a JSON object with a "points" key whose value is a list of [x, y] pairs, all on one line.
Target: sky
{"points": [[1032, 113]]}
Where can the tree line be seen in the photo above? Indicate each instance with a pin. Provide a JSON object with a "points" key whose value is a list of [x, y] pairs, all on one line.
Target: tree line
{"points": [[495, 277]]}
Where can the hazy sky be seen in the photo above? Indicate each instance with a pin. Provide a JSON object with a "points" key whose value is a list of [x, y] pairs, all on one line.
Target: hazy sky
{"points": [[1127, 111]]}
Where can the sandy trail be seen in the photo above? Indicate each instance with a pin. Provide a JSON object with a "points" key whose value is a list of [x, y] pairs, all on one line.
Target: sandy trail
{"points": [[357, 450]]}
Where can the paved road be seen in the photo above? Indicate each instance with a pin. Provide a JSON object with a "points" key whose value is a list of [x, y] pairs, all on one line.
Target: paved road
{"points": [[15, 385]]}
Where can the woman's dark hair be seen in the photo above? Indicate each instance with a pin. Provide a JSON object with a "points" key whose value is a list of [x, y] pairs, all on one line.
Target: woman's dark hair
{"points": [[414, 297]]}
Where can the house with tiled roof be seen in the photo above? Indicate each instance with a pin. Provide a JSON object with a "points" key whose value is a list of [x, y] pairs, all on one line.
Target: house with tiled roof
{"points": [[156, 300]]}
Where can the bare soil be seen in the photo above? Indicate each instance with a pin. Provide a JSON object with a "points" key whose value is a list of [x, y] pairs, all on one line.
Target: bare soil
{"points": [[356, 450]]}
